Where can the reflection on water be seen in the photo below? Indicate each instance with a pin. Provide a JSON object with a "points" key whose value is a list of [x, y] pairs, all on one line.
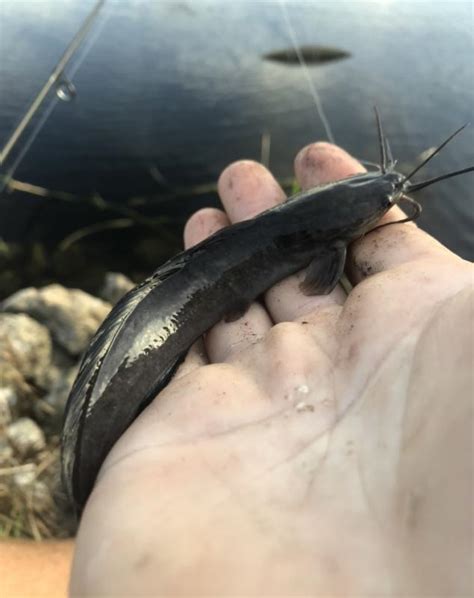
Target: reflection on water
{"points": [[181, 89]]}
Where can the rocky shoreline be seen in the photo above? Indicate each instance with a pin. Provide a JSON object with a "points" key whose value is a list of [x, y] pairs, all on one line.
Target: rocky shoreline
{"points": [[43, 333]]}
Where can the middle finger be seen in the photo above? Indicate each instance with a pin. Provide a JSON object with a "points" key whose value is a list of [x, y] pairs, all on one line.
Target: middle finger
{"points": [[247, 188], [285, 301]]}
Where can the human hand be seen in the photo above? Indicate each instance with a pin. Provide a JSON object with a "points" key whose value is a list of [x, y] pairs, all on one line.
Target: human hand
{"points": [[318, 446]]}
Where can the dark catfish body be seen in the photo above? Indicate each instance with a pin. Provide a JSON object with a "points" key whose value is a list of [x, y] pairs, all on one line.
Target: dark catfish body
{"points": [[147, 334]]}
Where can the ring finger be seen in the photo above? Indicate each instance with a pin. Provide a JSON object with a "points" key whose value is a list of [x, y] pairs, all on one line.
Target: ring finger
{"points": [[246, 189]]}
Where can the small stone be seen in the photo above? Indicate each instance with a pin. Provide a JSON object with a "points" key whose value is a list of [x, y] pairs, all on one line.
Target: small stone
{"points": [[25, 347], [6, 453], [61, 362], [51, 408], [71, 315], [11, 377], [25, 477], [115, 286], [26, 436], [9, 397], [8, 400], [41, 498]]}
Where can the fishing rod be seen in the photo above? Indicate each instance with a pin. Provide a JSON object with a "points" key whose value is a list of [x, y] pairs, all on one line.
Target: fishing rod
{"points": [[55, 76]]}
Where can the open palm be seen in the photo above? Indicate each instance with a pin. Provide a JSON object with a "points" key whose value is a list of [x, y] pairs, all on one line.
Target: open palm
{"points": [[317, 445]]}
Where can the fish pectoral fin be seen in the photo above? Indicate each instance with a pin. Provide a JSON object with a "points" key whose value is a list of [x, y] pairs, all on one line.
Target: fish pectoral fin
{"points": [[325, 270]]}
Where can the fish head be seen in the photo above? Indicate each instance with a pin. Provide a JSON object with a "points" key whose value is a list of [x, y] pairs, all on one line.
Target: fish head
{"points": [[395, 182]]}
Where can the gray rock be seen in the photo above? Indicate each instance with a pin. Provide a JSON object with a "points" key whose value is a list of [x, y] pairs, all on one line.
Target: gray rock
{"points": [[11, 377], [61, 363], [71, 315], [50, 409], [25, 477], [115, 286], [6, 453], [26, 437], [25, 349], [8, 403], [41, 498]]}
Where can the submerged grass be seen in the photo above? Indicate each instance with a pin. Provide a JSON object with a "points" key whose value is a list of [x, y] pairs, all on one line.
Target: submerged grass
{"points": [[34, 510], [119, 237]]}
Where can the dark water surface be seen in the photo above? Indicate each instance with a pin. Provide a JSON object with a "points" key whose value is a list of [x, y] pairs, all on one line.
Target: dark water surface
{"points": [[168, 93]]}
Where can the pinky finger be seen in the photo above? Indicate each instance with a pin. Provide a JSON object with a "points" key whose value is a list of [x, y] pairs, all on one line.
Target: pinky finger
{"points": [[203, 224]]}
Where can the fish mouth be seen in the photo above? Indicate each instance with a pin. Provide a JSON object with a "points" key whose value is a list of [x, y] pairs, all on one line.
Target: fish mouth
{"points": [[397, 195]]}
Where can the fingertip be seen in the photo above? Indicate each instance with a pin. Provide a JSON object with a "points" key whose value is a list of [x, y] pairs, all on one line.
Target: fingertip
{"points": [[203, 224], [247, 188], [230, 176], [323, 162]]}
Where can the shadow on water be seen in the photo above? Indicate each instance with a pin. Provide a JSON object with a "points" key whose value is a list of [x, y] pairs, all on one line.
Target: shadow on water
{"points": [[310, 55], [159, 98]]}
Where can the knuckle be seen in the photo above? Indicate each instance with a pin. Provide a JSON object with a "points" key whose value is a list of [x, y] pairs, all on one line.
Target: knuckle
{"points": [[285, 345]]}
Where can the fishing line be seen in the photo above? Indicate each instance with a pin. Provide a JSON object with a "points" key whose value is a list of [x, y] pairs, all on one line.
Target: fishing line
{"points": [[312, 87], [36, 104], [87, 47]]}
